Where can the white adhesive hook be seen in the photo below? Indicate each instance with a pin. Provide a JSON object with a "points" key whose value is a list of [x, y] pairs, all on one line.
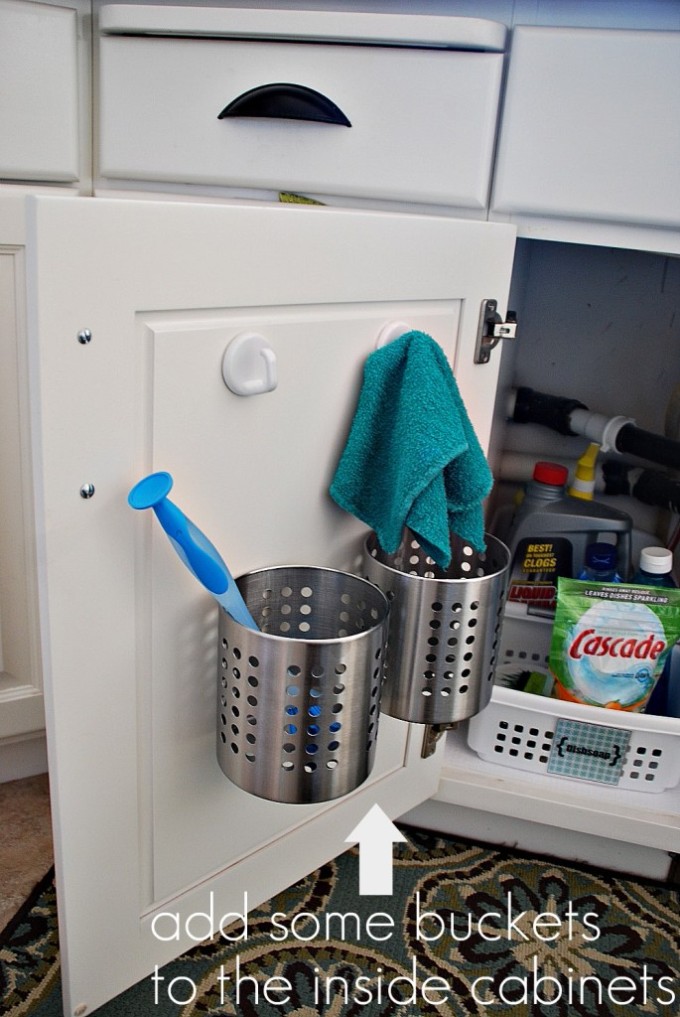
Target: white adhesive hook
{"points": [[388, 333], [249, 365]]}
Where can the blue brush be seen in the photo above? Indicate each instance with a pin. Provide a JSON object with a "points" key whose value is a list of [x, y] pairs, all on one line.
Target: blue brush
{"points": [[193, 547]]}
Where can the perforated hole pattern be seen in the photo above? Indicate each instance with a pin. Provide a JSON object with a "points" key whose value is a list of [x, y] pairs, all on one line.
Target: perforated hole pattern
{"points": [[525, 657], [299, 701], [528, 746], [444, 629]]}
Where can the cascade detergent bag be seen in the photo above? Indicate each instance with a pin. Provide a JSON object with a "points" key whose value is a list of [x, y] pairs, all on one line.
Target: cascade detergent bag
{"points": [[610, 641]]}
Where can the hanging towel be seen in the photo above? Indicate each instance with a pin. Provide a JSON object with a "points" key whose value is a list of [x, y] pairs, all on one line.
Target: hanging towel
{"points": [[412, 457]]}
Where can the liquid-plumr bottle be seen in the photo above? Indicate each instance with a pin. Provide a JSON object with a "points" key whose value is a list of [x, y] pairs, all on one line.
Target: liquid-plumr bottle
{"points": [[549, 537], [547, 540]]}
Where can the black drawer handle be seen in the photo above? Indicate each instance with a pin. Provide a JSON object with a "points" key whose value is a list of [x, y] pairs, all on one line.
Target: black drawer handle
{"points": [[285, 102]]}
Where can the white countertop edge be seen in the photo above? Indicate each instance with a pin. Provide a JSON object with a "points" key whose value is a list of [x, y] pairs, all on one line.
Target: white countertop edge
{"points": [[434, 31]]}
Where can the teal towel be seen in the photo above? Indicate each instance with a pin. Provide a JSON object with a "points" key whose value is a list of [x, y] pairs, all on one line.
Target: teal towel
{"points": [[412, 457]]}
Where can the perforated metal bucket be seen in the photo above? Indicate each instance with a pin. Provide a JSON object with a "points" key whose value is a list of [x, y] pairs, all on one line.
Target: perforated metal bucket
{"points": [[444, 627], [298, 702]]}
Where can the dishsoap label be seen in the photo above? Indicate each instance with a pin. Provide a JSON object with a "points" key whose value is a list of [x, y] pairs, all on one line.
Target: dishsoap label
{"points": [[588, 751], [536, 564]]}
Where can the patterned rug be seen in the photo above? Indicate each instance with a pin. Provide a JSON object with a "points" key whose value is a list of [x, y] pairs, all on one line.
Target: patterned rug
{"points": [[468, 930]]}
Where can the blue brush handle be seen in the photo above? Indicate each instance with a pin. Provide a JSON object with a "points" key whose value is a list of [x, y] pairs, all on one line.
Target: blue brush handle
{"points": [[203, 559], [235, 606], [196, 551], [200, 556]]}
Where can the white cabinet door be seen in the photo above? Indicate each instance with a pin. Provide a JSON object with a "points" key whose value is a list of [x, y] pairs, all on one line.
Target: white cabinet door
{"points": [[145, 821], [21, 700]]}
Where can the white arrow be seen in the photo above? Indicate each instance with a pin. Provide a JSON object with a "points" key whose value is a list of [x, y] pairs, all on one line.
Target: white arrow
{"points": [[375, 835]]}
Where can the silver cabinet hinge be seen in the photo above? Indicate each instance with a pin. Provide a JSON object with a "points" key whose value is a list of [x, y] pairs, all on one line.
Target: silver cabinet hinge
{"points": [[492, 329], [433, 732]]}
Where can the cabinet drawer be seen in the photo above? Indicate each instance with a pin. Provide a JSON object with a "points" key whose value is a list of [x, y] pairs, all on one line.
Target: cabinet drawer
{"points": [[422, 120], [38, 93], [591, 127]]}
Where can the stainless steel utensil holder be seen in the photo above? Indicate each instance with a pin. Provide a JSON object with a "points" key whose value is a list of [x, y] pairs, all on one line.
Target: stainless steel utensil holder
{"points": [[444, 627], [298, 702]]}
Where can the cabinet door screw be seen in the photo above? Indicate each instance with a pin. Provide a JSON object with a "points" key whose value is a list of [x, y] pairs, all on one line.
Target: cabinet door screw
{"points": [[84, 336], [87, 490]]}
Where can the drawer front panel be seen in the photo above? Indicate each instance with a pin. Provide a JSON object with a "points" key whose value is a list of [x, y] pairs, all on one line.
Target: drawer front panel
{"points": [[422, 121], [38, 93], [591, 127]]}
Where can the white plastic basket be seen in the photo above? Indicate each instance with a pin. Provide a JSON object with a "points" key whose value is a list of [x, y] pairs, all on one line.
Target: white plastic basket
{"points": [[524, 645], [518, 729]]}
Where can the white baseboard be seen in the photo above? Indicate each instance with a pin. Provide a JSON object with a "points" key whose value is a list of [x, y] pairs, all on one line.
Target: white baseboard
{"points": [[24, 756], [485, 827]]}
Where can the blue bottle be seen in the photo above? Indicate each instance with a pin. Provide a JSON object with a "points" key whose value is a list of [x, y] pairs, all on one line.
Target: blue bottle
{"points": [[600, 563], [655, 569]]}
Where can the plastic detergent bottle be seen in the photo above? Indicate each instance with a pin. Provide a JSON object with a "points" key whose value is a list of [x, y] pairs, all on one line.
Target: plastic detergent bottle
{"points": [[550, 534], [655, 569], [600, 564]]}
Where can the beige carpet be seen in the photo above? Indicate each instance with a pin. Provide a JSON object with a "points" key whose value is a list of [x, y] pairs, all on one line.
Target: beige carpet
{"points": [[26, 842]]}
